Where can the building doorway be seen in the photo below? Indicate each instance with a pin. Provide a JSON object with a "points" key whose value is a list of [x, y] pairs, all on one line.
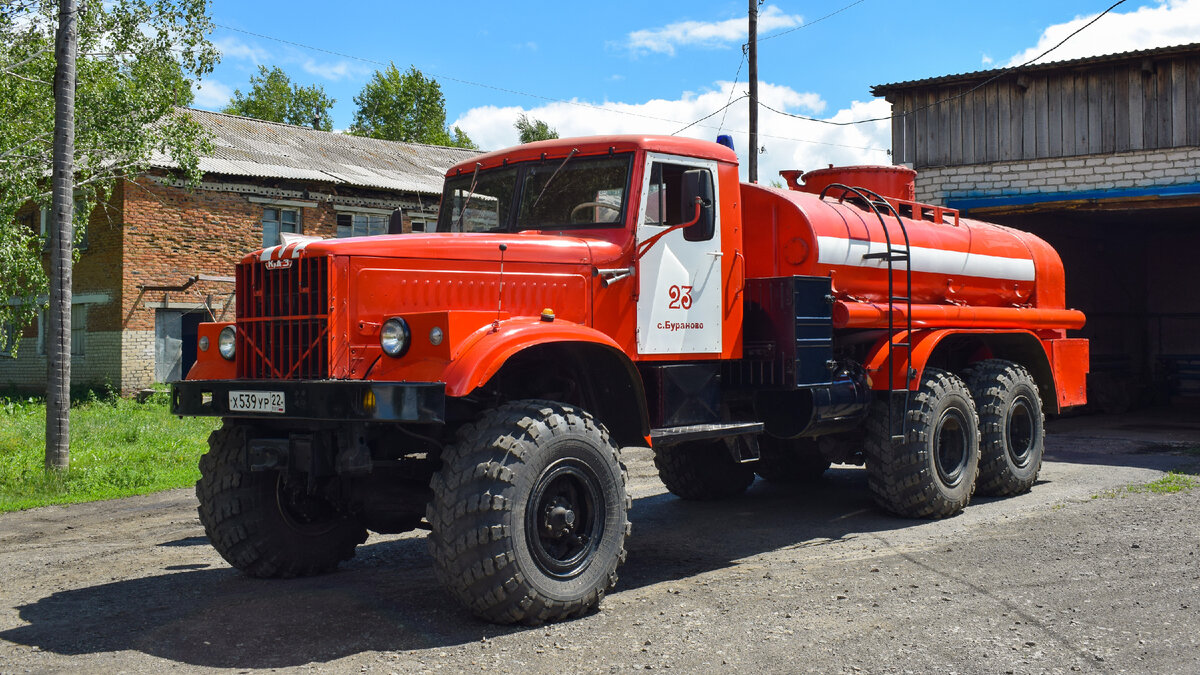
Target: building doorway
{"points": [[176, 333]]}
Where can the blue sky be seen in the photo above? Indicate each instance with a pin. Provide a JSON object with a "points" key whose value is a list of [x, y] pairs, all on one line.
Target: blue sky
{"points": [[638, 67]]}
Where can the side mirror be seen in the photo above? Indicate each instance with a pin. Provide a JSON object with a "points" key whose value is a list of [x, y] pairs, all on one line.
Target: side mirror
{"points": [[697, 183]]}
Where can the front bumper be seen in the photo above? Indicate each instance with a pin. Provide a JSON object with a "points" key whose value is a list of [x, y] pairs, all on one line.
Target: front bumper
{"points": [[336, 400]]}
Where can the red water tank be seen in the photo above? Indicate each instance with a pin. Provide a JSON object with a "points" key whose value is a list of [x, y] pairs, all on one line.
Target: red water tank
{"points": [[958, 265]]}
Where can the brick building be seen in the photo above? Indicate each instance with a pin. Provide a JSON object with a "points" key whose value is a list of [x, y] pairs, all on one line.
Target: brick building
{"points": [[158, 259], [1100, 157]]}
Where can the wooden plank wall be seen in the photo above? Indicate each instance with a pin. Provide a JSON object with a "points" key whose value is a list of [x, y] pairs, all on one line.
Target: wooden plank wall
{"points": [[1101, 109]]}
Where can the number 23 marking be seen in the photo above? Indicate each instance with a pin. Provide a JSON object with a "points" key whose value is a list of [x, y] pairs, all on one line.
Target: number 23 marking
{"points": [[681, 297]]}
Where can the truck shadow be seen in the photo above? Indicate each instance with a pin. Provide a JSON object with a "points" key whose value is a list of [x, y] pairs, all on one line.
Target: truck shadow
{"points": [[388, 598]]}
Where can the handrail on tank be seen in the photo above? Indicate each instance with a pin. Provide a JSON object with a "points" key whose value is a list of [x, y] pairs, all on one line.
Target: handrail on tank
{"points": [[874, 204]]}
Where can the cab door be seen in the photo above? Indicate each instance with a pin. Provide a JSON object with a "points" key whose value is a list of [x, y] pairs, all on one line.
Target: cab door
{"points": [[679, 273]]}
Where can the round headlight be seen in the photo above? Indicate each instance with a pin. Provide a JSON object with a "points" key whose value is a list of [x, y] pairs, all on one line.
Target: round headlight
{"points": [[394, 337], [203, 343], [435, 336], [226, 342]]}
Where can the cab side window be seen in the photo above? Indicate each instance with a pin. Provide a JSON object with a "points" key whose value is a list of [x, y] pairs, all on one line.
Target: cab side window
{"points": [[671, 199]]}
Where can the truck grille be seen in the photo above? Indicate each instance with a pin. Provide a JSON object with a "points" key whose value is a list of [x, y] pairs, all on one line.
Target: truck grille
{"points": [[283, 320]]}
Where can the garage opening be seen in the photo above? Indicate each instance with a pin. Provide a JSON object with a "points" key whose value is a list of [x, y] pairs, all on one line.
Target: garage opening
{"points": [[1131, 268]]}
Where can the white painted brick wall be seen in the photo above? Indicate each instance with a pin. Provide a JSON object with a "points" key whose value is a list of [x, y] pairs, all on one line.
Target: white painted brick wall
{"points": [[1180, 166]]}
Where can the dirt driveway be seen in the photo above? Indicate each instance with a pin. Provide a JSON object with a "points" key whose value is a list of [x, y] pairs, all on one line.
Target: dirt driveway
{"points": [[778, 581]]}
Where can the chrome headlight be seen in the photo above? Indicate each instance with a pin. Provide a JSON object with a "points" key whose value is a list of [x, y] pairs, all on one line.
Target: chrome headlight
{"points": [[227, 341], [394, 337]]}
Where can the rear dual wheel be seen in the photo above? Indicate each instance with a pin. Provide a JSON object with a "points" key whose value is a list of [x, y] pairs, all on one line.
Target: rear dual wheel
{"points": [[789, 460], [930, 472], [1011, 425]]}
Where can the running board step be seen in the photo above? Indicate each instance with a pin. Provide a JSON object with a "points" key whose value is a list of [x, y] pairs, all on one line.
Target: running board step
{"points": [[702, 432]]}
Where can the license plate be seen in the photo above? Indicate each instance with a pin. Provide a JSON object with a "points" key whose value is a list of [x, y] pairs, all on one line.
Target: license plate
{"points": [[257, 401]]}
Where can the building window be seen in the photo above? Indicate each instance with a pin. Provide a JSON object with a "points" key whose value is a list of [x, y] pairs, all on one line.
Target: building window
{"points": [[81, 233], [361, 224], [277, 220], [419, 226], [8, 339], [78, 330]]}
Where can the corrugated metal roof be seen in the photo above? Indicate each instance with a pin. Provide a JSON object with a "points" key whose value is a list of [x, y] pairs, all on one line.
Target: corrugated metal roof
{"points": [[248, 147], [885, 89]]}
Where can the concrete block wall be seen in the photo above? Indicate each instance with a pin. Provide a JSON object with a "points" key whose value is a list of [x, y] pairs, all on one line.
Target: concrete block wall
{"points": [[136, 350], [1158, 168]]}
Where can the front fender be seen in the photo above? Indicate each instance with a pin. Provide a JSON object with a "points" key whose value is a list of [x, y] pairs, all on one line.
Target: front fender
{"points": [[486, 350]]}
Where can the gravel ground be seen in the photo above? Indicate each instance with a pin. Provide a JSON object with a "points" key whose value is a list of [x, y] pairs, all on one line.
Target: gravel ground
{"points": [[782, 580]]}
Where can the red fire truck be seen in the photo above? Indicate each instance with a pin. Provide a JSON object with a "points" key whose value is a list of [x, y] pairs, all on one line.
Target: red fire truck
{"points": [[584, 295]]}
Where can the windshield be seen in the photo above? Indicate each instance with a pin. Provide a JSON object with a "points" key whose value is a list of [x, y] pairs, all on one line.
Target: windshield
{"points": [[556, 193]]}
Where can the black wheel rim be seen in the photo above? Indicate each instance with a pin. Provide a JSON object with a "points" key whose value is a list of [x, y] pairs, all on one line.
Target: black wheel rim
{"points": [[951, 447], [1020, 432], [564, 521], [302, 512]]}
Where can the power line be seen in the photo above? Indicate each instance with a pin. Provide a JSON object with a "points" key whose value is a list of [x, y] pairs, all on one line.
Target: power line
{"points": [[1001, 73], [453, 79], [731, 87], [547, 98], [810, 23]]}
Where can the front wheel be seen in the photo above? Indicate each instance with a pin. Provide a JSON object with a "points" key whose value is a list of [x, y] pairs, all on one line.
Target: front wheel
{"points": [[264, 524], [930, 473], [529, 514]]}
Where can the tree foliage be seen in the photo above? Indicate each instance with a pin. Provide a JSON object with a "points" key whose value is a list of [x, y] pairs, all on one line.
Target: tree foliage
{"points": [[136, 62], [275, 98], [532, 130], [405, 107]]}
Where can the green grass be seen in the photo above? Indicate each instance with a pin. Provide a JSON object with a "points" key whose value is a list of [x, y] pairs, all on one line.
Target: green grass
{"points": [[118, 448], [1172, 482]]}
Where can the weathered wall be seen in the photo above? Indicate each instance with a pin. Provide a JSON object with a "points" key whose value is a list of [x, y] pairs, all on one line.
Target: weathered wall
{"points": [[1134, 102]]}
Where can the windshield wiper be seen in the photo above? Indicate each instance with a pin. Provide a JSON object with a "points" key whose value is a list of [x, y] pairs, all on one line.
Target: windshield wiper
{"points": [[552, 176], [462, 213]]}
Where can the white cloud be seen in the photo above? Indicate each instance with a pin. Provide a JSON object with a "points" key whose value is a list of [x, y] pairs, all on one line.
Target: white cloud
{"points": [[790, 143], [1162, 24], [233, 48], [707, 33], [211, 94], [334, 71]]}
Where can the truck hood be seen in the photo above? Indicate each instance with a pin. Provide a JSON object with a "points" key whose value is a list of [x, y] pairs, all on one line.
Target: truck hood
{"points": [[521, 247]]}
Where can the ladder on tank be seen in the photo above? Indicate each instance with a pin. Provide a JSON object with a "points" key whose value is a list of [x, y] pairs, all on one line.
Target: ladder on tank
{"points": [[891, 255]]}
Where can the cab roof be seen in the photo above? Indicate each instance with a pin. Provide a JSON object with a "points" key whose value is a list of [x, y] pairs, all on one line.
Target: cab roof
{"points": [[595, 145]]}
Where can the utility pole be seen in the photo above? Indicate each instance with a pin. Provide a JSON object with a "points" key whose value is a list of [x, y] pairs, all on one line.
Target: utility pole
{"points": [[62, 237], [752, 57]]}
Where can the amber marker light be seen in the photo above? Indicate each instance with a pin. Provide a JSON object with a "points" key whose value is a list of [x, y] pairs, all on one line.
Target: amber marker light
{"points": [[547, 315], [369, 402]]}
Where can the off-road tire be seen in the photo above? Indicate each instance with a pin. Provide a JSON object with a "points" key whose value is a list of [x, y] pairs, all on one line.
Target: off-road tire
{"points": [[702, 471], [789, 460], [931, 474], [487, 529], [1012, 434], [248, 521]]}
